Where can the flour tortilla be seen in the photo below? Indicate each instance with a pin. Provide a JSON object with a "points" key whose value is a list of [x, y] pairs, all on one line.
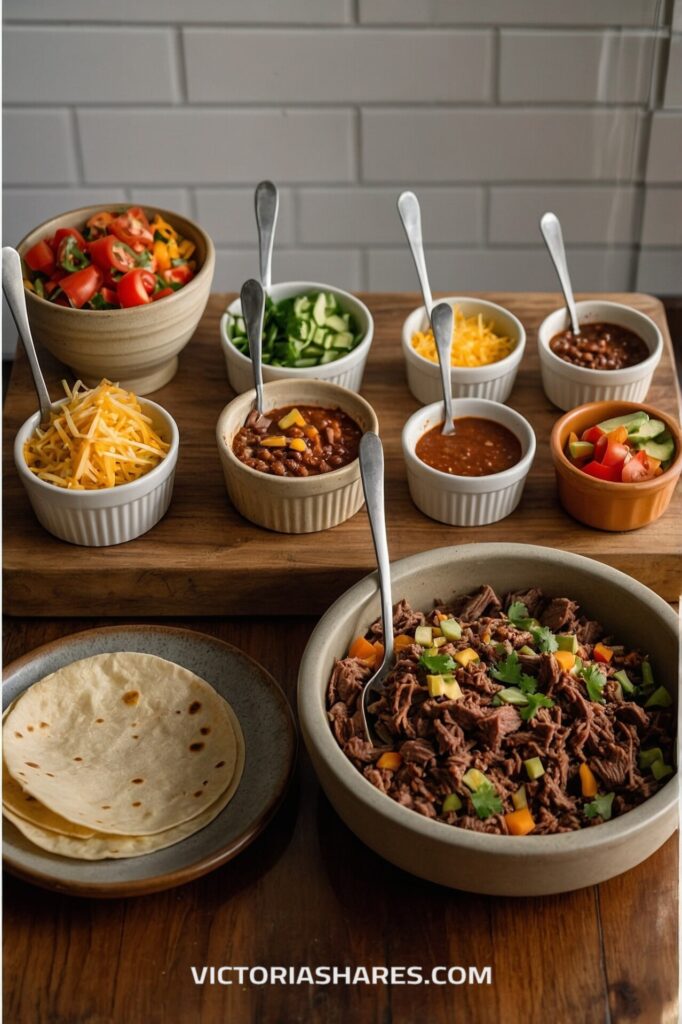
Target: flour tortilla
{"points": [[127, 743], [17, 803], [101, 846]]}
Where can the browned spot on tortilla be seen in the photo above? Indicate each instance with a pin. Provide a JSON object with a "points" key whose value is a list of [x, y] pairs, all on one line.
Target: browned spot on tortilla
{"points": [[18, 735], [194, 747], [194, 707], [178, 712], [220, 764], [22, 773], [106, 807], [98, 821], [31, 764], [29, 798], [136, 737], [78, 758], [205, 730], [44, 725], [137, 781], [199, 792], [49, 775], [138, 803], [131, 697], [30, 728], [99, 721], [205, 782]]}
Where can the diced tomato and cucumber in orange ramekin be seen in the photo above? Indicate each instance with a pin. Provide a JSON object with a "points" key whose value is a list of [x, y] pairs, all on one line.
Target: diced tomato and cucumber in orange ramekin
{"points": [[116, 261], [626, 449]]}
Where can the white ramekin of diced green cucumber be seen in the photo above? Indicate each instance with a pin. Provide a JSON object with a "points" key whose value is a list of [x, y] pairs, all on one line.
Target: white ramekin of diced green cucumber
{"points": [[310, 330]]}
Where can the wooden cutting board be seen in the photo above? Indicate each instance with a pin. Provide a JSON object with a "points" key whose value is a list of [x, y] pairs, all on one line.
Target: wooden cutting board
{"points": [[204, 559]]}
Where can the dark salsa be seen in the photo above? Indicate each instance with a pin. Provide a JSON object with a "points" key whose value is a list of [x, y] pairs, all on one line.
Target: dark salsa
{"points": [[600, 346], [478, 447], [297, 440]]}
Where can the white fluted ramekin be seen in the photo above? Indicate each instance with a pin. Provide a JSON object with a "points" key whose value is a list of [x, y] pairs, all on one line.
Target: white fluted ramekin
{"points": [[567, 386], [111, 515], [347, 371], [493, 381], [293, 504], [467, 500]]}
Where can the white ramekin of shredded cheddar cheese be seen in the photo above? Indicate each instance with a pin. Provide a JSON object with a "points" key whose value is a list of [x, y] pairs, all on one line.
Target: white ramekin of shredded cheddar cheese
{"points": [[488, 346], [84, 508]]}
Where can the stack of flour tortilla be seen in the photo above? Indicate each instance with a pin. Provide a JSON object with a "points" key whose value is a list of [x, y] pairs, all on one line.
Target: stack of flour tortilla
{"points": [[118, 755]]}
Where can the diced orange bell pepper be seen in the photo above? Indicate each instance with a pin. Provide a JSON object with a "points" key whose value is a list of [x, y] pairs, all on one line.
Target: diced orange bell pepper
{"points": [[379, 652], [392, 761], [401, 642], [161, 255], [588, 783], [620, 435], [520, 822], [566, 659], [602, 653], [572, 437], [363, 649]]}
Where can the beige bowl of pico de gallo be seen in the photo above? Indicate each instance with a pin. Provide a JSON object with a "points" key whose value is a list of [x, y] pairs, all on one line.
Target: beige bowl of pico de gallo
{"points": [[487, 337]]}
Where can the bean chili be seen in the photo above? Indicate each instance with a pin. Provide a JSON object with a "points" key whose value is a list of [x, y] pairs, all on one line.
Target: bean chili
{"points": [[600, 346], [297, 441]]}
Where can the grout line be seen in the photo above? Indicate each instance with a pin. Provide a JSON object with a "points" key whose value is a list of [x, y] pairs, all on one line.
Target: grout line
{"points": [[409, 28], [357, 139], [77, 147], [380, 105], [180, 67]]}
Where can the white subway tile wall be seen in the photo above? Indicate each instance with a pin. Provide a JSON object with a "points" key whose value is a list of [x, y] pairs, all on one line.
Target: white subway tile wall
{"points": [[492, 110]]}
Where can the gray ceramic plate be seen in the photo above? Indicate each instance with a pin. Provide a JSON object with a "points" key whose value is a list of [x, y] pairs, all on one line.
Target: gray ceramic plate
{"points": [[270, 742]]}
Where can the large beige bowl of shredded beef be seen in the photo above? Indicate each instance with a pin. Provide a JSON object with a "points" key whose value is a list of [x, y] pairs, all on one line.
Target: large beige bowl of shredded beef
{"points": [[404, 814]]}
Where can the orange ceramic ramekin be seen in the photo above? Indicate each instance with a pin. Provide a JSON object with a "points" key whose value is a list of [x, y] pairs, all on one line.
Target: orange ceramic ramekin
{"points": [[602, 503]]}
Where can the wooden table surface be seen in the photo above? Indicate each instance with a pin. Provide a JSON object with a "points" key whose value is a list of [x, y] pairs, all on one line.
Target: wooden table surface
{"points": [[308, 893], [204, 559]]}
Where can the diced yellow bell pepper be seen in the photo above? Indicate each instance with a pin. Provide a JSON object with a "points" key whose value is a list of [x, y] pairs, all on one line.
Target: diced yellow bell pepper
{"points": [[292, 418], [274, 442], [466, 656], [443, 686], [161, 256], [566, 659], [173, 250], [297, 444], [438, 641], [436, 631], [186, 248]]}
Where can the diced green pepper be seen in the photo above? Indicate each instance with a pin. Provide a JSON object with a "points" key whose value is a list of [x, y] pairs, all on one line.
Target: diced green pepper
{"points": [[534, 767], [624, 680], [567, 642], [647, 673], [660, 698], [519, 798], [660, 770], [647, 757], [526, 650]]}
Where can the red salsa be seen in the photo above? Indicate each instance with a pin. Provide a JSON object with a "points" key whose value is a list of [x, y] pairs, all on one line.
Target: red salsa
{"points": [[600, 347], [297, 440], [479, 447]]}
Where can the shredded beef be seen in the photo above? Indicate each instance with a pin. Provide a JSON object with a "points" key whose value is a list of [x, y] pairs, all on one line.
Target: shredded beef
{"points": [[439, 739]]}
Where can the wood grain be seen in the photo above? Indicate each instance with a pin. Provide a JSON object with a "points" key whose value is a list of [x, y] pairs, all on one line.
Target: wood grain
{"points": [[205, 559], [308, 893]]}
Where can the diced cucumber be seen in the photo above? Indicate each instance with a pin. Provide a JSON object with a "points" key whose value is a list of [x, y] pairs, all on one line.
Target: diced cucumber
{"points": [[343, 340], [451, 629], [631, 420], [512, 695], [329, 357], [661, 450], [335, 323], [647, 431], [567, 642], [301, 364], [319, 310]]}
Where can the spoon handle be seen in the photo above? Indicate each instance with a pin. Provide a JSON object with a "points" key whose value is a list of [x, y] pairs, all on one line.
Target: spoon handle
{"points": [[372, 473], [410, 215], [442, 317], [15, 294], [551, 232], [253, 308], [267, 205]]}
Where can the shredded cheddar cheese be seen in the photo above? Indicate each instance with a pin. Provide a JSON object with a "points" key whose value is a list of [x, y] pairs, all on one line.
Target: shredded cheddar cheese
{"points": [[474, 343], [98, 438]]}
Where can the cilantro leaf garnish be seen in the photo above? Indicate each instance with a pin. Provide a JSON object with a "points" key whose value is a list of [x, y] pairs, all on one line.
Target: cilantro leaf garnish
{"points": [[517, 612], [600, 807], [594, 682], [508, 670], [535, 701], [528, 684], [486, 801], [545, 639], [437, 664]]}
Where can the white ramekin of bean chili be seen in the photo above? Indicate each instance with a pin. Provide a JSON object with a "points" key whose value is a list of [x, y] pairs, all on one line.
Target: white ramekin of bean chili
{"points": [[264, 482], [454, 497], [567, 378]]}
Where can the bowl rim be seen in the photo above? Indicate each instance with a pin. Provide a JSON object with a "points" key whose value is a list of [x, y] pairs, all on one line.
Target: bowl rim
{"points": [[312, 482], [301, 372], [626, 374], [189, 288], [506, 477], [127, 490], [313, 720], [505, 364], [615, 487]]}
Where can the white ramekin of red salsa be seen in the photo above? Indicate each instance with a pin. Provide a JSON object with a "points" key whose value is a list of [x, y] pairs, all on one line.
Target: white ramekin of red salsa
{"points": [[475, 476], [613, 359], [617, 463]]}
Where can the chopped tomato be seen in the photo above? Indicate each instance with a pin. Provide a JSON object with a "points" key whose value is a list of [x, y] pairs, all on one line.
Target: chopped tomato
{"points": [[135, 287], [592, 434], [602, 472], [40, 257], [600, 447], [162, 294], [81, 286], [178, 275], [132, 227], [61, 233], [109, 295], [110, 253], [98, 224], [615, 454], [640, 467]]}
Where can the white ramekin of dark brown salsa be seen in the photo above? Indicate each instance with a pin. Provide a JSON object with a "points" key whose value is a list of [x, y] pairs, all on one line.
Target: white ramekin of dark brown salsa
{"points": [[476, 476], [613, 359], [296, 469]]}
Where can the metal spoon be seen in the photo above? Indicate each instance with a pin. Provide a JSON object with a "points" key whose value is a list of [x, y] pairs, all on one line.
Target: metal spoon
{"points": [[253, 309], [441, 320], [15, 293], [410, 215], [267, 205], [372, 473], [551, 232]]}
